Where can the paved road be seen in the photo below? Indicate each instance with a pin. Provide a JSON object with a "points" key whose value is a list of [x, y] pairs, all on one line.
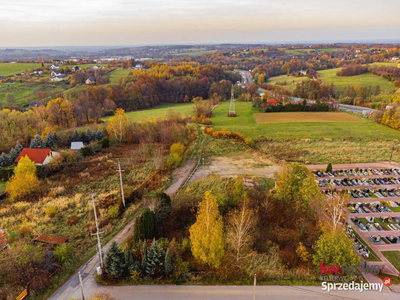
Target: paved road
{"points": [[168, 292]]}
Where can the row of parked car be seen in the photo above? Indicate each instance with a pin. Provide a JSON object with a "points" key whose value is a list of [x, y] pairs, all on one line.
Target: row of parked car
{"points": [[368, 207], [357, 172], [358, 182]]}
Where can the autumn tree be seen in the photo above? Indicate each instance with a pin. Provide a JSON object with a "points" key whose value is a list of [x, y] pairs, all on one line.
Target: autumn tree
{"points": [[335, 209], [24, 182], [60, 113], [206, 234], [118, 125], [240, 228]]}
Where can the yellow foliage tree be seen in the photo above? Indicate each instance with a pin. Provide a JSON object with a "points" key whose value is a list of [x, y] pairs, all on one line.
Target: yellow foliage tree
{"points": [[117, 127], [206, 234], [24, 182]]}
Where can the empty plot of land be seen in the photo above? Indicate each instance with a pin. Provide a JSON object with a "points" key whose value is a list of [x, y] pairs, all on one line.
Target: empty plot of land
{"points": [[283, 117]]}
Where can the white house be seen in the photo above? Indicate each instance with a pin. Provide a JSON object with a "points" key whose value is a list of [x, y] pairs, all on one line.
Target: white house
{"points": [[54, 67], [90, 80], [96, 67]]}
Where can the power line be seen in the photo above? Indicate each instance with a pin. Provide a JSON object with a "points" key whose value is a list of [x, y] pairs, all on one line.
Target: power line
{"points": [[120, 179], [97, 230]]}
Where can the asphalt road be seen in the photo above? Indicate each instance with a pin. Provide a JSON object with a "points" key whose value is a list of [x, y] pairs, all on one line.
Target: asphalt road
{"points": [[170, 292]]}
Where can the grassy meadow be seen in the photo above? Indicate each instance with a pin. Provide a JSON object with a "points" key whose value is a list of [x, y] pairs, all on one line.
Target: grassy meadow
{"points": [[393, 257], [8, 69], [286, 82], [159, 112], [285, 117], [117, 74], [340, 82]]}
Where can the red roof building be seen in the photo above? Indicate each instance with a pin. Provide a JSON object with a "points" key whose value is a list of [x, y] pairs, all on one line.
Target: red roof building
{"points": [[38, 156], [272, 102], [3, 240]]}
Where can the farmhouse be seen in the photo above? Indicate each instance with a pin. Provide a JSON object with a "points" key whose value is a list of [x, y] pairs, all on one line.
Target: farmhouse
{"points": [[3, 240], [272, 102], [96, 67], [54, 67], [138, 66], [38, 156]]}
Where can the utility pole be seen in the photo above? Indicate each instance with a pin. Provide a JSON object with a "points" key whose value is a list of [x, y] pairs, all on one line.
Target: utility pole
{"points": [[254, 287], [97, 230], [232, 111], [120, 179], [391, 154], [81, 284]]}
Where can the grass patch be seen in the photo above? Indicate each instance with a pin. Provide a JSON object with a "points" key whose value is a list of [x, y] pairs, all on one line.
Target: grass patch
{"points": [[286, 82], [283, 117], [393, 257], [246, 124], [159, 112], [116, 75], [340, 82], [395, 209], [222, 147], [8, 69]]}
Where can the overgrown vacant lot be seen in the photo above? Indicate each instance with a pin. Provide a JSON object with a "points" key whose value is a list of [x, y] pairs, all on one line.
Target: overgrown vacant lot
{"points": [[340, 82], [282, 117], [286, 82], [160, 112], [246, 124]]}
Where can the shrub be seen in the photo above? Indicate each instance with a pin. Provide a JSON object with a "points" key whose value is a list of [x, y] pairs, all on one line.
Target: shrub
{"points": [[113, 212], [50, 211], [135, 277], [175, 154], [61, 252], [209, 131], [249, 141], [105, 143], [329, 168]]}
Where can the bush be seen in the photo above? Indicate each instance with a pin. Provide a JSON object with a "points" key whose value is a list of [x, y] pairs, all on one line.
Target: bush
{"points": [[113, 212], [61, 252], [209, 131], [175, 154], [105, 143], [73, 220], [329, 168], [249, 141], [50, 211]]}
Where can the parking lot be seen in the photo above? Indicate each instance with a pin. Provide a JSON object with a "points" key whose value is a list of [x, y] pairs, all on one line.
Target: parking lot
{"points": [[372, 192]]}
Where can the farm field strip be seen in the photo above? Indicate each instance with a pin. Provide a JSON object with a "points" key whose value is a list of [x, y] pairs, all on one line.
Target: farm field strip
{"points": [[285, 117]]}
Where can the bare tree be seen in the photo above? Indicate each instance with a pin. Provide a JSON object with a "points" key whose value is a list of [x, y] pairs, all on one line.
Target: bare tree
{"points": [[241, 224], [335, 209]]}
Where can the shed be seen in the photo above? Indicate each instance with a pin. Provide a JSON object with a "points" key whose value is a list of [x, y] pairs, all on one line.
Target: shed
{"points": [[51, 239], [76, 145]]}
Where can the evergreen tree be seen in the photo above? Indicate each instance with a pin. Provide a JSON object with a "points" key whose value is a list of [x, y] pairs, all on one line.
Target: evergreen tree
{"points": [[76, 137], [49, 141], [13, 155], [84, 138], [163, 208], [129, 263], [144, 258], [5, 161], [155, 260], [99, 135], [36, 142], [89, 135], [56, 140], [145, 226], [329, 168], [168, 263], [115, 260], [18, 147]]}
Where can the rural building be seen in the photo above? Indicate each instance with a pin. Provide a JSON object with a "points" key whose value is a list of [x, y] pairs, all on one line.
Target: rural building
{"points": [[303, 72], [50, 239], [3, 79], [54, 67], [76, 145], [138, 66], [272, 102], [96, 67], [90, 80], [38, 156], [3, 240]]}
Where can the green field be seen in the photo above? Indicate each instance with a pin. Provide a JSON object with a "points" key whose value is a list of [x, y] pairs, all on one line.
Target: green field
{"points": [[245, 123], [329, 77], [159, 112], [117, 74], [8, 69], [286, 82], [393, 257]]}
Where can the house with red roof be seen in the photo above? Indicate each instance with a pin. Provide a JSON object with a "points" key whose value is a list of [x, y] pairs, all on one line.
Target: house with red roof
{"points": [[272, 102], [38, 156]]}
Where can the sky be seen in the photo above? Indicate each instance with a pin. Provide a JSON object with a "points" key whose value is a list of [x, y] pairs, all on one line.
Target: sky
{"points": [[132, 22]]}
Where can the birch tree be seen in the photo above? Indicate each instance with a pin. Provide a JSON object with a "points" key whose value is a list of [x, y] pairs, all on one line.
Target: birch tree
{"points": [[118, 125]]}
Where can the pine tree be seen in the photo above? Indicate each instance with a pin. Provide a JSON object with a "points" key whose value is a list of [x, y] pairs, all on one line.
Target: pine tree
{"points": [[163, 209], [84, 138], [129, 263], [49, 141], [5, 161], [115, 260], [36, 142], [56, 140], [329, 168], [89, 135], [168, 263], [145, 226], [144, 257], [99, 135], [76, 137], [13, 155], [18, 147], [155, 260]]}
